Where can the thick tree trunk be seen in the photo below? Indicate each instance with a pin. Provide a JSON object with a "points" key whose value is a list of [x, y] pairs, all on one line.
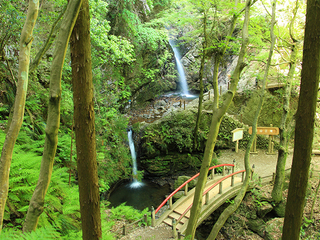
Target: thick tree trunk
{"points": [[284, 127], [51, 140], [304, 123], [19, 104], [212, 137], [233, 207], [85, 126]]}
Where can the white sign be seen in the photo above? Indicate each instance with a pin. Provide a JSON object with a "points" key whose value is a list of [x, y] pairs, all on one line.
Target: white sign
{"points": [[237, 134]]}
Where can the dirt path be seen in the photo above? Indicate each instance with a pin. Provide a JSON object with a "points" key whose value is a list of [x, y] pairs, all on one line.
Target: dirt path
{"points": [[265, 165]]}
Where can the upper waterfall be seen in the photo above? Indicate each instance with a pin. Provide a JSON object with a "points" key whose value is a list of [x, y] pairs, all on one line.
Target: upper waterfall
{"points": [[182, 76]]}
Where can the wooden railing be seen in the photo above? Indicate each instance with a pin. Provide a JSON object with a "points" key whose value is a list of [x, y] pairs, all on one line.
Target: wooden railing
{"points": [[185, 186], [206, 192]]}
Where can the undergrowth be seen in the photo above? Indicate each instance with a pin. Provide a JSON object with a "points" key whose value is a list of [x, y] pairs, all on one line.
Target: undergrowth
{"points": [[61, 216]]}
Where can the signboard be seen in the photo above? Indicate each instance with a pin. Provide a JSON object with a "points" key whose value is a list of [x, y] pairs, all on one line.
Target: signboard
{"points": [[266, 130], [237, 134]]}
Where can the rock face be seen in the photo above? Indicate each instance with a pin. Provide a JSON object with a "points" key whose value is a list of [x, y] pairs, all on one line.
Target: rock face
{"points": [[166, 145]]}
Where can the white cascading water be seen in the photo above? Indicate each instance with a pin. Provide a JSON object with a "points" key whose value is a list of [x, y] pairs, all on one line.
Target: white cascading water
{"points": [[182, 76], [135, 183]]}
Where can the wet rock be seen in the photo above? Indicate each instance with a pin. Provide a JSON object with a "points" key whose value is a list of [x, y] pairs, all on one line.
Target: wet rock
{"points": [[146, 116], [274, 229], [160, 103], [176, 104]]}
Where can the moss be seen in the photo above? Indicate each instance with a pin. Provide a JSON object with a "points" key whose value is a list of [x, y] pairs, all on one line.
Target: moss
{"points": [[172, 135]]}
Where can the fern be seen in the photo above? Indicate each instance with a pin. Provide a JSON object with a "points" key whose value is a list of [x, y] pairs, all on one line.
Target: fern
{"points": [[45, 233], [61, 208]]}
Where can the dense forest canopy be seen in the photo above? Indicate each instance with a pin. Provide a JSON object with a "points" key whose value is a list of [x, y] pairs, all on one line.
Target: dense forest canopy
{"points": [[133, 65]]}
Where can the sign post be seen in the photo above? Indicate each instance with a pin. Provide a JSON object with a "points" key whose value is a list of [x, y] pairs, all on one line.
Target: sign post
{"points": [[271, 131], [236, 136]]}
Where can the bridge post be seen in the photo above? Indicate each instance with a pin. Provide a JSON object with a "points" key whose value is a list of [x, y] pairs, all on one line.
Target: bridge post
{"points": [[124, 230], [220, 188], [186, 189], [212, 174], [207, 199], [153, 217], [174, 228], [145, 219], [252, 170], [223, 171], [242, 179], [232, 178], [170, 203]]}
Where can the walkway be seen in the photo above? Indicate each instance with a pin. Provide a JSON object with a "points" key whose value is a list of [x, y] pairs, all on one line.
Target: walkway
{"points": [[218, 190]]}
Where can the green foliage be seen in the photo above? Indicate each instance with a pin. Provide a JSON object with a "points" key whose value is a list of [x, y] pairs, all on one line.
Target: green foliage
{"points": [[113, 154], [45, 233], [173, 133], [127, 212], [61, 209]]}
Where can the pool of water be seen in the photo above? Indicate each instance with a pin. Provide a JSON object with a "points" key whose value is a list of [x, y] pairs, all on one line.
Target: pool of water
{"points": [[147, 195]]}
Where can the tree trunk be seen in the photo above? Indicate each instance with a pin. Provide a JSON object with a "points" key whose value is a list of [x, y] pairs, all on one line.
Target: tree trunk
{"points": [[51, 140], [19, 104], [203, 59], [233, 207], [284, 128], [284, 132], [85, 126], [304, 124], [54, 29], [212, 136]]}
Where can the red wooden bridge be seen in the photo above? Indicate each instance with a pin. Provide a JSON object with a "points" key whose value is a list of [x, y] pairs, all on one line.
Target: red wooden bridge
{"points": [[218, 189]]}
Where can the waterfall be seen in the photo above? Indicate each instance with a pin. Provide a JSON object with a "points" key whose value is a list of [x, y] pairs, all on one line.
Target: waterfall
{"points": [[182, 76], [135, 183]]}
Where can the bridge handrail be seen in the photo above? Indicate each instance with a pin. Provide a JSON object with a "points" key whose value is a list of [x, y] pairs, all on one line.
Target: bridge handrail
{"points": [[206, 191], [189, 180]]}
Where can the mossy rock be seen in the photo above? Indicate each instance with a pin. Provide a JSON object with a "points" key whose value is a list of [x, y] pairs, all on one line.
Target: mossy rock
{"points": [[274, 229], [173, 135], [171, 164], [264, 209], [178, 195], [182, 179], [280, 209], [257, 226]]}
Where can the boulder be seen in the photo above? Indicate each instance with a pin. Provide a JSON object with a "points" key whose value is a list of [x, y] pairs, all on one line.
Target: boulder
{"points": [[257, 226], [274, 229], [182, 179], [160, 104], [264, 209], [178, 195]]}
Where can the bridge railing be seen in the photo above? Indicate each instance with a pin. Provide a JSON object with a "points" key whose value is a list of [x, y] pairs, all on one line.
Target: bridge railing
{"points": [[185, 185], [206, 192]]}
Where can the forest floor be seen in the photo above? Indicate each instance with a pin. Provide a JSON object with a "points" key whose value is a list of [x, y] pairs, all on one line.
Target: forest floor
{"points": [[265, 165]]}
